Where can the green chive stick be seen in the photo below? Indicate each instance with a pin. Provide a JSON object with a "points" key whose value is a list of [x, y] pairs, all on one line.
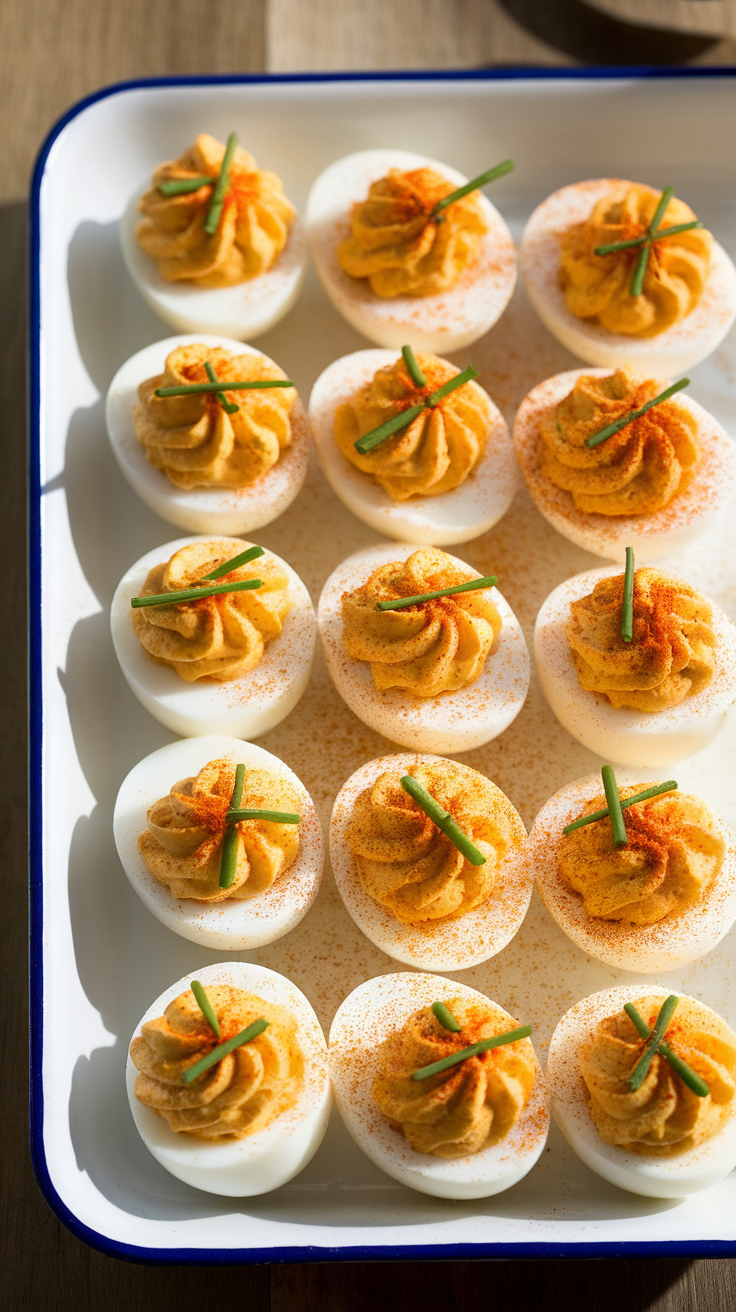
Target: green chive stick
{"points": [[215, 385], [481, 181], [183, 186], [223, 1049], [669, 787], [629, 418], [228, 860], [627, 610], [214, 214], [445, 1017], [636, 286], [462, 1054], [614, 246], [470, 585], [614, 806], [252, 813], [194, 594], [229, 407], [686, 1073], [444, 821], [413, 370], [205, 1006], [637, 1076], [235, 563], [406, 417]]}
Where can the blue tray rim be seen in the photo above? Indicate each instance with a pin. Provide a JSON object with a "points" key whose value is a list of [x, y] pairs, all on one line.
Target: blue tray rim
{"points": [[308, 1253]]}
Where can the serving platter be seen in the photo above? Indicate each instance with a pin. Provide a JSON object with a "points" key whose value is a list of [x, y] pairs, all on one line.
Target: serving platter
{"points": [[98, 958]]}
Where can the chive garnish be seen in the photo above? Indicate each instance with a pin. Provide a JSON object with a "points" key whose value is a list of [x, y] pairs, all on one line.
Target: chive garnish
{"points": [[637, 1076], [445, 1017], [469, 585], [402, 420], [184, 389], [614, 246], [229, 857], [182, 186], [444, 821], [636, 286], [194, 594], [490, 176], [669, 787], [629, 418], [252, 813], [205, 1006], [627, 609], [610, 788], [229, 407], [455, 1058], [694, 1082], [235, 563], [415, 373], [223, 1049], [214, 213]]}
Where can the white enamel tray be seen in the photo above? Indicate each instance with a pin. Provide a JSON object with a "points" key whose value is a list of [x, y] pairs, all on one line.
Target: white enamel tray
{"points": [[98, 957]]}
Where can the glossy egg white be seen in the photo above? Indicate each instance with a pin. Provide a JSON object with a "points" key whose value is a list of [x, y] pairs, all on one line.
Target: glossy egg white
{"points": [[620, 734], [240, 708], [444, 322], [654, 1177], [201, 509], [243, 311], [710, 488], [456, 516], [362, 1022], [674, 351], [241, 1168], [452, 722], [238, 924], [674, 941], [455, 943]]}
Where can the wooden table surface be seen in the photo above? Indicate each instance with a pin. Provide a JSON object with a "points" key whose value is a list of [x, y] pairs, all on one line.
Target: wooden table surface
{"points": [[51, 54]]}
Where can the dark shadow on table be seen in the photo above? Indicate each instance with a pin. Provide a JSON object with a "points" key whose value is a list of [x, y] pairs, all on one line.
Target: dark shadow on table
{"points": [[592, 37]]}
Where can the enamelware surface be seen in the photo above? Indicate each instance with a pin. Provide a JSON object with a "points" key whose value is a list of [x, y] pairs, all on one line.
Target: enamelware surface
{"points": [[99, 957]]}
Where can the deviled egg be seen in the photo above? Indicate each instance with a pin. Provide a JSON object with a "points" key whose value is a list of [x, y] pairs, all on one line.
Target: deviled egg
{"points": [[437, 285], [474, 1130], [688, 298], [254, 1118], [405, 884], [169, 832], [239, 279], [655, 485], [235, 669], [658, 699], [187, 459], [660, 902], [448, 477], [418, 683], [661, 1140]]}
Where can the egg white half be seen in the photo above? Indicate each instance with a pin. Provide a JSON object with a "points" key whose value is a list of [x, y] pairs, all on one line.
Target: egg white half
{"points": [[241, 708], [455, 943], [674, 351], [654, 1177], [452, 722], [201, 509], [709, 489], [237, 924], [444, 322], [243, 311], [362, 1022], [241, 1168], [674, 941], [619, 734], [456, 516]]}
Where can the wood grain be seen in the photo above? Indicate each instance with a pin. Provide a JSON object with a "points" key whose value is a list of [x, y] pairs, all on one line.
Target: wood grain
{"points": [[51, 54]]}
